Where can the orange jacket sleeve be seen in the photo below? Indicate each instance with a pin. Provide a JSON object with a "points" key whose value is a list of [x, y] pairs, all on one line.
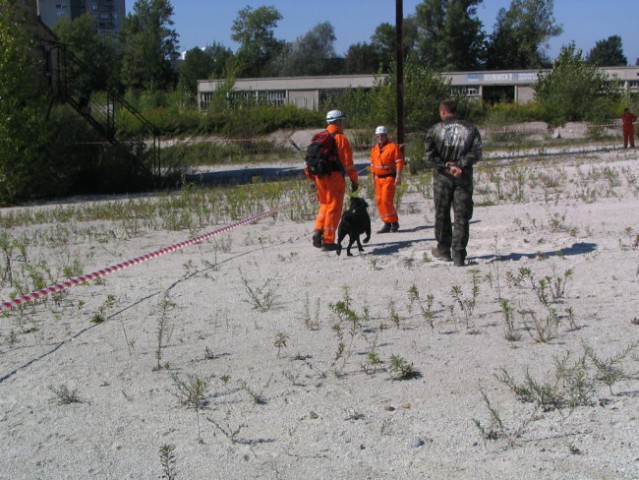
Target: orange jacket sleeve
{"points": [[345, 152]]}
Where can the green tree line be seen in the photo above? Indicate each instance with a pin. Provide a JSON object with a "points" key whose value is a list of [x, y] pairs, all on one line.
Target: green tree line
{"points": [[48, 151], [445, 35]]}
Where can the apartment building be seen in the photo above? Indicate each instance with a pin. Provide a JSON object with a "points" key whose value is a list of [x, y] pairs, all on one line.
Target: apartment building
{"points": [[108, 14]]}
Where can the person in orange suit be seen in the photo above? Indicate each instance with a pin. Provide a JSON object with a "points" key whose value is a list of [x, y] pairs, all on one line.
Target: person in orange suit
{"points": [[387, 162], [332, 186], [627, 120]]}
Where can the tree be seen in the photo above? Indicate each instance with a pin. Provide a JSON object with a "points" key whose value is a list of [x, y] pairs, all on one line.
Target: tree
{"points": [[608, 53], [253, 30], [310, 54], [34, 159], [573, 90], [362, 58], [98, 52], [17, 95], [424, 88], [201, 64], [519, 33], [197, 65], [150, 46], [384, 41], [449, 34], [220, 57]]}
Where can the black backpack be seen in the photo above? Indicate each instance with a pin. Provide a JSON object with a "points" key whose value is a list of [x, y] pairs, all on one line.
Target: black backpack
{"points": [[321, 154]]}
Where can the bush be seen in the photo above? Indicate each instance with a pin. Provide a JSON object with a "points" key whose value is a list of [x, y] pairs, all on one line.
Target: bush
{"points": [[573, 91], [508, 113], [241, 120], [115, 169], [49, 164], [261, 119], [416, 153], [424, 89], [356, 104]]}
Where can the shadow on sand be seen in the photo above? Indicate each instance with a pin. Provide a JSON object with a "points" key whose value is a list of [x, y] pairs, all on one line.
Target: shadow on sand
{"points": [[579, 248], [389, 248]]}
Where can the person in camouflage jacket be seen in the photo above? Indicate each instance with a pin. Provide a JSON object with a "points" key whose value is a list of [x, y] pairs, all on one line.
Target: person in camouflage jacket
{"points": [[452, 146]]}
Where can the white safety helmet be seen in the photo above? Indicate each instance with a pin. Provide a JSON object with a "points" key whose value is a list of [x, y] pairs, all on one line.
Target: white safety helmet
{"points": [[334, 115], [381, 130]]}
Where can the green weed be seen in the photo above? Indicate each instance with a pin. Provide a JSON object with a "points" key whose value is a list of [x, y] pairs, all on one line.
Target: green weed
{"points": [[262, 298], [64, 395], [400, 369], [167, 461]]}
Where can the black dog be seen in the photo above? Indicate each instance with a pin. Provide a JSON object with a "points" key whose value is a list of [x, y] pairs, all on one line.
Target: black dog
{"points": [[355, 222]]}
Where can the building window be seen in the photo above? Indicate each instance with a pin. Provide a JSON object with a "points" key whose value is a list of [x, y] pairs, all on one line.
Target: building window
{"points": [[205, 100], [261, 97], [272, 97]]}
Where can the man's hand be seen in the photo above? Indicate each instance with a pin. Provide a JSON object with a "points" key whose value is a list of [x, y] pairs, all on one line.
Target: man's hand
{"points": [[454, 170]]}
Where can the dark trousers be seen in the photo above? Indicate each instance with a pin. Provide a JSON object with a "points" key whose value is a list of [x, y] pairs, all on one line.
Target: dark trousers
{"points": [[456, 194]]}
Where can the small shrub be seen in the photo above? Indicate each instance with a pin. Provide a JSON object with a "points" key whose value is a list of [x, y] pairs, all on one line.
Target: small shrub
{"points": [[191, 392], [64, 395], [400, 369], [167, 460], [262, 298]]}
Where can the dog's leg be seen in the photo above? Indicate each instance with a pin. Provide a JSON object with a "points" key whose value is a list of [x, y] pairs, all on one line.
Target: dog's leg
{"points": [[340, 237], [368, 230], [359, 244], [351, 240]]}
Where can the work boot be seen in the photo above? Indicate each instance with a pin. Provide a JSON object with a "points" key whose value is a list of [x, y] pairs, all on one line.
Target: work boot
{"points": [[385, 229], [394, 227], [441, 255], [317, 239], [330, 247], [459, 260]]}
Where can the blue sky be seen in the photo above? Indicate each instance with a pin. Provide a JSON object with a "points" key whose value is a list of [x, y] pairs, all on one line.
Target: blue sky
{"points": [[203, 22]]}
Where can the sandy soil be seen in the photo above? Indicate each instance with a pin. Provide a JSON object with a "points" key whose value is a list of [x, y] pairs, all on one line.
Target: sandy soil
{"points": [[309, 385]]}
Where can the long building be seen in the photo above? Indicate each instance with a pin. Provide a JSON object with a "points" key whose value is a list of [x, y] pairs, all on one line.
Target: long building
{"points": [[108, 15], [309, 92]]}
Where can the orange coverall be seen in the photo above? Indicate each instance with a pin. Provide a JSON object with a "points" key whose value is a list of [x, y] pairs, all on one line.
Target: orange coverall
{"points": [[627, 119], [386, 161], [332, 187]]}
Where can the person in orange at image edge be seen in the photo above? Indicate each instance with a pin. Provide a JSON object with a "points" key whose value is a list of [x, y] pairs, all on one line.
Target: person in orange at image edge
{"points": [[332, 186], [627, 120], [386, 170]]}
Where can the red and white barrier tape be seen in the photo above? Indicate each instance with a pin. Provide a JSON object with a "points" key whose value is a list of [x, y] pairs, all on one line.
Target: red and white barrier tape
{"points": [[16, 302]]}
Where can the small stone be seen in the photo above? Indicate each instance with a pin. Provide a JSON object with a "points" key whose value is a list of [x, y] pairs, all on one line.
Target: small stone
{"points": [[313, 415], [389, 408], [417, 442]]}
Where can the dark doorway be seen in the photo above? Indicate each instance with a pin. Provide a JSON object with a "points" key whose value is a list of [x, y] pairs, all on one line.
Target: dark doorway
{"points": [[498, 94]]}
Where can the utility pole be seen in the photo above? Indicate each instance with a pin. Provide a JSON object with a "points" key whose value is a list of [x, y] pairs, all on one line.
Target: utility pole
{"points": [[399, 29]]}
